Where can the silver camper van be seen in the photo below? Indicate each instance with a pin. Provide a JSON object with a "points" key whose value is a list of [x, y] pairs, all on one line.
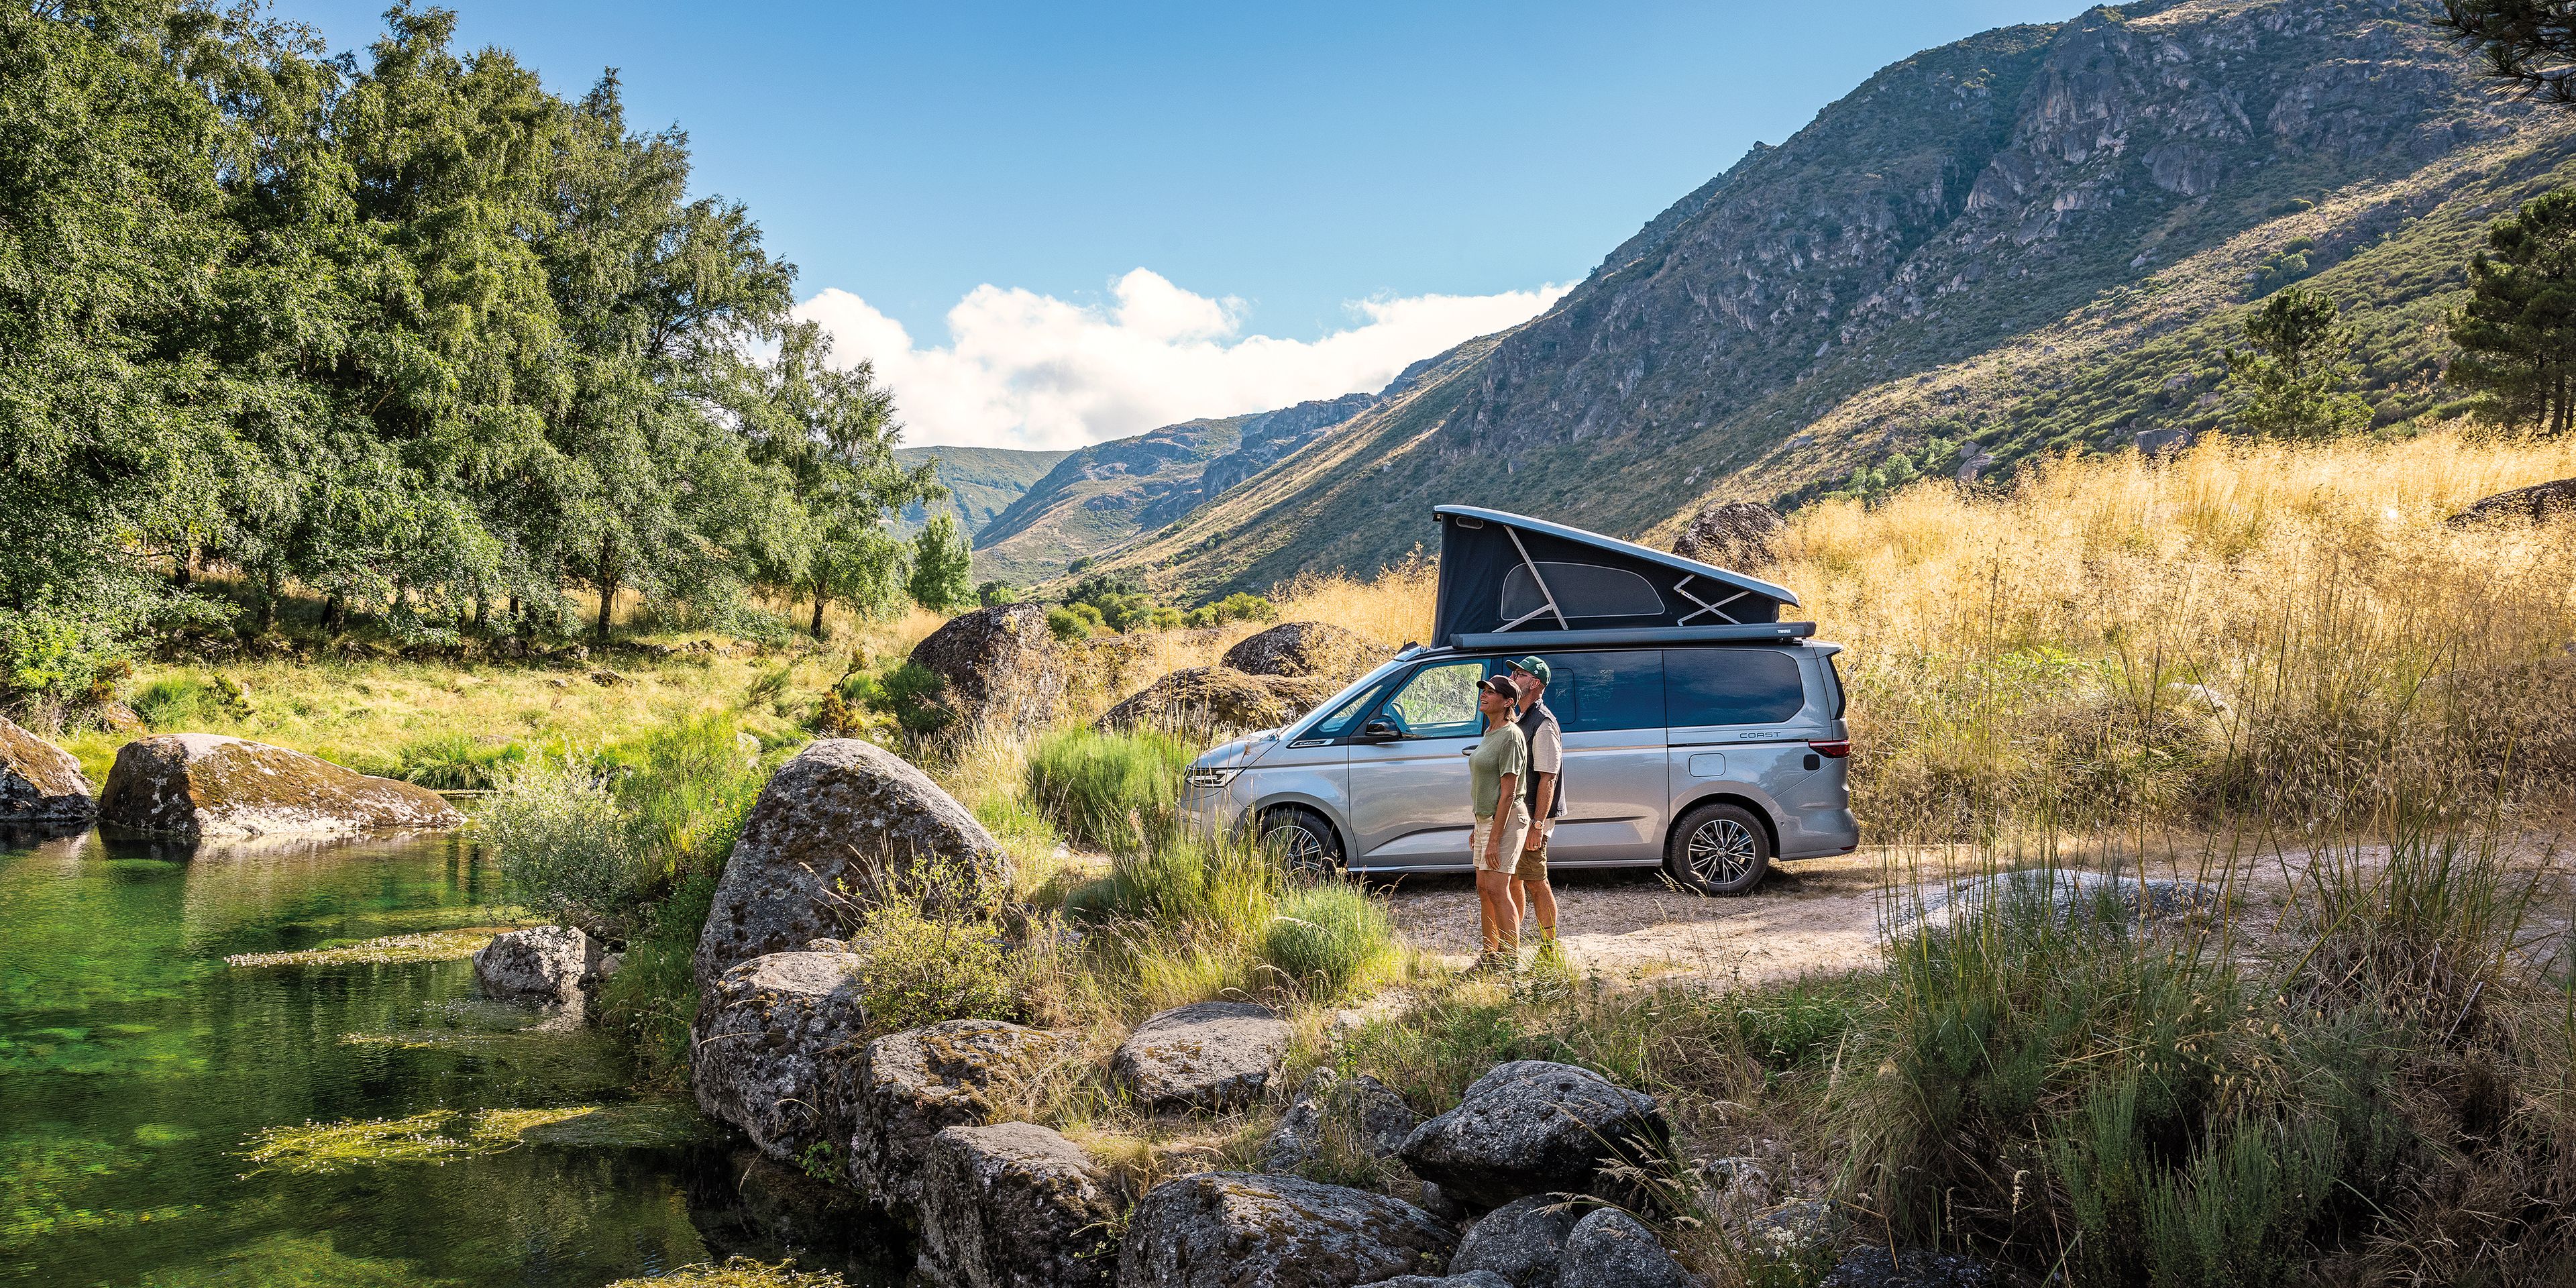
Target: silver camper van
{"points": [[1702, 734]]}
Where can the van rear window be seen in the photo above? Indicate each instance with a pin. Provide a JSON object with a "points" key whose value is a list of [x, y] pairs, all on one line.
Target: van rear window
{"points": [[1727, 686]]}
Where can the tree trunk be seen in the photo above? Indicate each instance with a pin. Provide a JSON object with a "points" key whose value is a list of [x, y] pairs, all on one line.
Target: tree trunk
{"points": [[819, 601], [268, 604], [331, 610], [480, 604], [187, 566], [607, 584]]}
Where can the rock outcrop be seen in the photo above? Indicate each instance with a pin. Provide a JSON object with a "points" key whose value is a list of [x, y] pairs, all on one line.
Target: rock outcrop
{"points": [[2539, 503], [1207, 1055], [204, 786], [1217, 702], [1014, 1206], [1532, 1127], [538, 964], [844, 820], [1876, 1267], [40, 782], [999, 665], [1738, 536], [1611, 1249], [1317, 649], [1374, 1118], [908, 1087], [765, 1050], [1522, 1241], [1246, 1230], [1468, 1279]]}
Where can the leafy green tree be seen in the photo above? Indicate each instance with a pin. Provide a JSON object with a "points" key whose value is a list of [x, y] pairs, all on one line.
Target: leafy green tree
{"points": [[2293, 365], [942, 563], [2517, 333], [996, 594]]}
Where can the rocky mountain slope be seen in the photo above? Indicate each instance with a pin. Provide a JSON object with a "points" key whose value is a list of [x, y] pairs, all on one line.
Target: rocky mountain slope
{"points": [[2034, 239], [981, 481]]}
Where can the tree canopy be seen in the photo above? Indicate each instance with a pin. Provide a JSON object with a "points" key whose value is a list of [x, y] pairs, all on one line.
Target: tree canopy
{"points": [[2517, 332], [2296, 360], [400, 329]]}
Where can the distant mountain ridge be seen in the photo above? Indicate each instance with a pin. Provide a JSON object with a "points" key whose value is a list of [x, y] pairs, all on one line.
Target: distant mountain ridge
{"points": [[2031, 240], [981, 481]]}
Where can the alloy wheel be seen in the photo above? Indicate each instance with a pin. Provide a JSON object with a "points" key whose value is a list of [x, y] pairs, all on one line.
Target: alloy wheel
{"points": [[1723, 851]]}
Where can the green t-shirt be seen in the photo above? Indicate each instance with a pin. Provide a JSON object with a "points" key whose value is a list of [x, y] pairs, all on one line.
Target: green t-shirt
{"points": [[1504, 751]]}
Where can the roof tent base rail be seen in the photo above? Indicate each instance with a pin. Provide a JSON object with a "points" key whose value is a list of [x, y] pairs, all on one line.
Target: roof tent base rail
{"points": [[1542, 640]]}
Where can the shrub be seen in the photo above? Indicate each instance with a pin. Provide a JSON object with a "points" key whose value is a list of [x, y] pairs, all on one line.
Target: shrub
{"points": [[1328, 936], [920, 968], [1113, 790], [564, 847], [172, 702], [652, 999], [1229, 889], [455, 762], [996, 594], [1068, 626], [686, 789], [1244, 607]]}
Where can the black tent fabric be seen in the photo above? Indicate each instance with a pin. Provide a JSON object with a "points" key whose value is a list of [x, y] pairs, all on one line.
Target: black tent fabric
{"points": [[1506, 577]]}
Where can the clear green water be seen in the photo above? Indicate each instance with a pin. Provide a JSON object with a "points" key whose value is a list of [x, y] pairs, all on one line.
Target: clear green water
{"points": [[134, 1063]]}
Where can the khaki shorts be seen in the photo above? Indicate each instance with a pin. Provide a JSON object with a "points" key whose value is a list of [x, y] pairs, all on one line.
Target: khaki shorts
{"points": [[1515, 825]]}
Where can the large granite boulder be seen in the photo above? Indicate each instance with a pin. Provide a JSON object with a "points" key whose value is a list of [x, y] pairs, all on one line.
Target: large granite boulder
{"points": [[1207, 1055], [1533, 1127], [1247, 1230], [1216, 702], [1000, 665], [1611, 1249], [1014, 1206], [1874, 1266], [2539, 503], [1735, 536], [1365, 1111], [40, 782], [538, 964], [1522, 1241], [206, 786], [1318, 649], [908, 1087], [1468, 1279], [766, 1049], [845, 822]]}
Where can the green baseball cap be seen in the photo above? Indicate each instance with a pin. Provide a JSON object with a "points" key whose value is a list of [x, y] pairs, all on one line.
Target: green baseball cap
{"points": [[1534, 665]]}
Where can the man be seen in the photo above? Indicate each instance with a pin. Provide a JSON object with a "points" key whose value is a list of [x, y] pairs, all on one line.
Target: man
{"points": [[1546, 803]]}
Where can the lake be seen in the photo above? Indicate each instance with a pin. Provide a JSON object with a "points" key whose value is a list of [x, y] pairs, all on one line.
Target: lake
{"points": [[137, 1069]]}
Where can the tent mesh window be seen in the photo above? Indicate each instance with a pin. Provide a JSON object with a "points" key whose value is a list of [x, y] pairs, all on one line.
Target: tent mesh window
{"points": [[1582, 590]]}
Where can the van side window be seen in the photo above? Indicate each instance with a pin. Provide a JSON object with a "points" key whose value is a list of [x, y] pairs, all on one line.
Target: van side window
{"points": [[1593, 692], [1729, 686], [1439, 701]]}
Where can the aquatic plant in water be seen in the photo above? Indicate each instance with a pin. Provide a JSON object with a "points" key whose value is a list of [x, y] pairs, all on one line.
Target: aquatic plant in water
{"points": [[738, 1272], [388, 950], [434, 1137]]}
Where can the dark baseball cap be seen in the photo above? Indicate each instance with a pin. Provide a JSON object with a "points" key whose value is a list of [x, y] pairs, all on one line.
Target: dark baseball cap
{"points": [[1536, 666]]}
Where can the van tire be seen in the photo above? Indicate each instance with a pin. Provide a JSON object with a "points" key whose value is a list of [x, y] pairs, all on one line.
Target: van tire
{"points": [[1305, 841], [1719, 849]]}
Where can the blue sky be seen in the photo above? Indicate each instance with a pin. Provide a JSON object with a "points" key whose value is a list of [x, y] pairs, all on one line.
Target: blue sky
{"points": [[1280, 163]]}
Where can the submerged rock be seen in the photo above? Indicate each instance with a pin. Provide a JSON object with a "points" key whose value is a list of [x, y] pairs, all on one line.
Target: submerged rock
{"points": [[1000, 666], [538, 964], [1014, 1206], [1611, 1249], [40, 782], [1371, 1110], [844, 822], [763, 1052], [908, 1087], [1318, 649], [1522, 1241], [1206, 1055], [1532, 1127], [1217, 702], [205, 786], [1246, 1230]]}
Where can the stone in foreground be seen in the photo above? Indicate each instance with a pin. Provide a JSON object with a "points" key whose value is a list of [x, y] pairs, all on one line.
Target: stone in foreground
{"points": [[1532, 1127], [209, 787], [1611, 1249], [842, 819], [1523, 1242], [1246, 1230], [907, 1087], [765, 1050], [1367, 1108], [1318, 649], [1468, 1279], [1001, 666], [1207, 1055], [40, 782], [538, 964], [1014, 1206]]}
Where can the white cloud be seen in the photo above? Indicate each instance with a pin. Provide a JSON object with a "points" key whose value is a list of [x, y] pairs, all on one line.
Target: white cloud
{"points": [[1029, 370]]}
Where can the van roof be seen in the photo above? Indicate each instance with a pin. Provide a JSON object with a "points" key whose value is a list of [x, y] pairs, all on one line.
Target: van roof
{"points": [[1504, 574]]}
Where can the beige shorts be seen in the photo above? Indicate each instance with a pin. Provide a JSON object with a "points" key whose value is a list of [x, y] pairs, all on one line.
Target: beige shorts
{"points": [[1515, 824]]}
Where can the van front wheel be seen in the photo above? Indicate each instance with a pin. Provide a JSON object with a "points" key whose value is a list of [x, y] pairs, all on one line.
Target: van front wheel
{"points": [[1719, 849], [1304, 842]]}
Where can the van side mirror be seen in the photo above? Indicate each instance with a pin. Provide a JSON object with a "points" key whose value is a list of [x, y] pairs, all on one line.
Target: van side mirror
{"points": [[1380, 729]]}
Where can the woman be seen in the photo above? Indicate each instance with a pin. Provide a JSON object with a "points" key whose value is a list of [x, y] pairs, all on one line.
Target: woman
{"points": [[1494, 774]]}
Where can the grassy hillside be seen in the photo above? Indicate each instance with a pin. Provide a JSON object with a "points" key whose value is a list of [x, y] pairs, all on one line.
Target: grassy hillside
{"points": [[981, 481], [2038, 239]]}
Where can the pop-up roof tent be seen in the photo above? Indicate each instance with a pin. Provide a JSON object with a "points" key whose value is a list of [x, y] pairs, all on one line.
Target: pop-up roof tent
{"points": [[1506, 579]]}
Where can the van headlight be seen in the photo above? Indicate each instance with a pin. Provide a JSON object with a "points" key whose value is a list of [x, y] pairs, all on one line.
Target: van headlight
{"points": [[1206, 777]]}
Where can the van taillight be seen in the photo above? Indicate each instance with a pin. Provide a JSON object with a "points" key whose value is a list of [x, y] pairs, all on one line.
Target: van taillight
{"points": [[1838, 748]]}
